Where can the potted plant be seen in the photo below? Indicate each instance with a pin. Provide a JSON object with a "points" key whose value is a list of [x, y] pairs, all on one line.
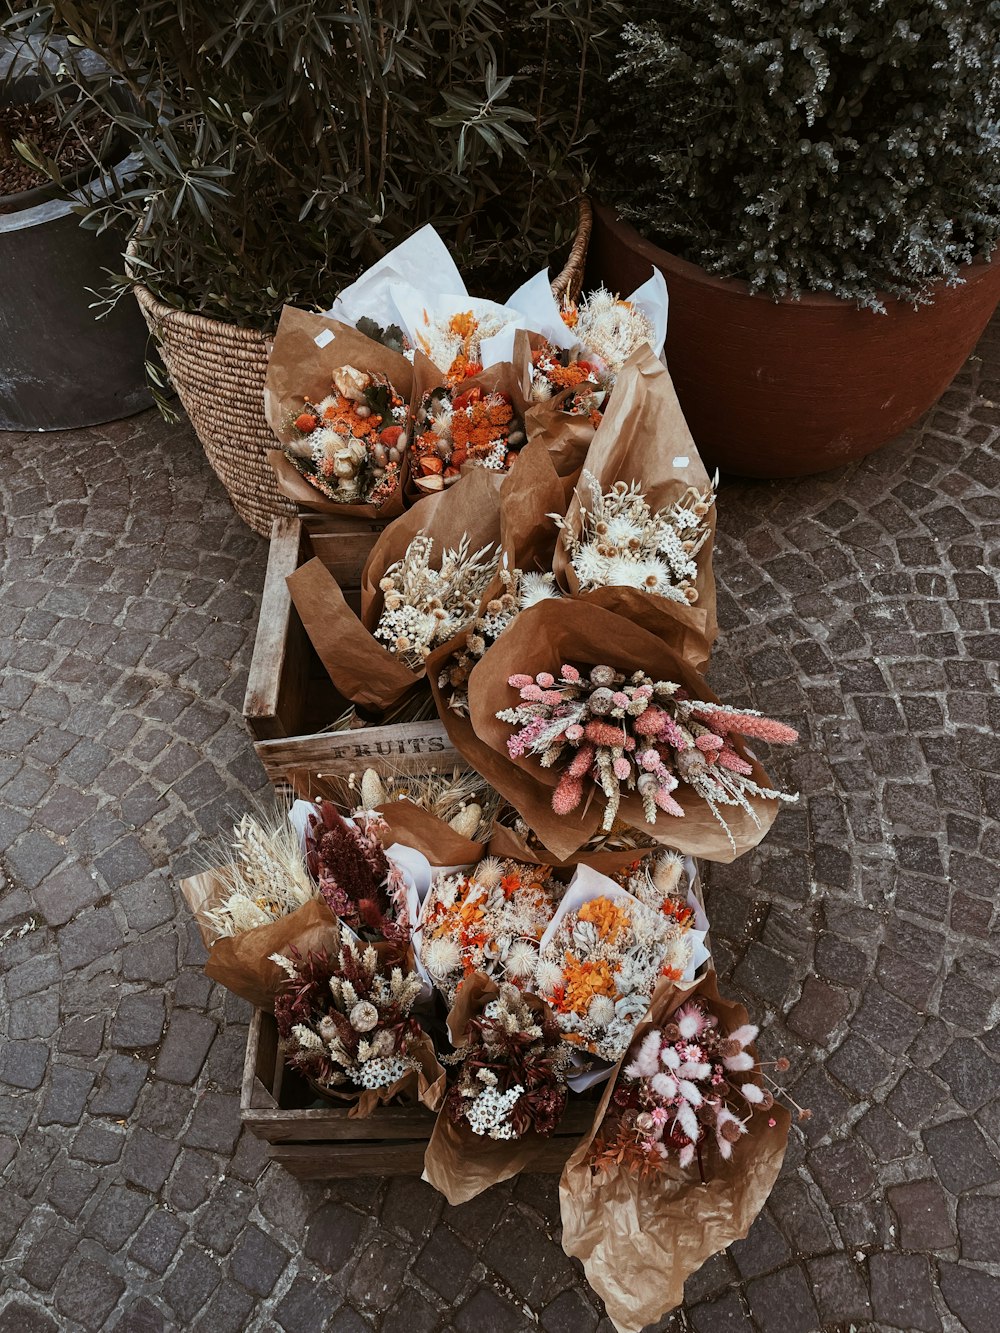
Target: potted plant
{"points": [[820, 186], [284, 151], [62, 366]]}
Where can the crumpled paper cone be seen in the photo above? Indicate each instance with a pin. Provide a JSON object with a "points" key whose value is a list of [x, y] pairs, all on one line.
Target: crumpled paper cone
{"points": [[413, 826], [461, 1164], [644, 438], [242, 962], [361, 667], [581, 631], [300, 368], [640, 1240]]}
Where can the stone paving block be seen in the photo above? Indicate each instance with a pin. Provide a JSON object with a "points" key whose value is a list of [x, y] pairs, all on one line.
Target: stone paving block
{"points": [[23, 1063], [227, 1311], [140, 1317], [122, 1079], [138, 1022], [48, 1256], [185, 1046], [923, 1215], [66, 1096], [258, 1262], [22, 1316], [147, 1159], [93, 935], [156, 1244], [961, 1155], [972, 1296], [306, 1305], [839, 1289], [191, 1282], [331, 1236], [903, 1292], [88, 1292], [488, 1309], [782, 1302], [724, 1315]]}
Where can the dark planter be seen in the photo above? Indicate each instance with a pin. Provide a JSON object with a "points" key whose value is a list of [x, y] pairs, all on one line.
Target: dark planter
{"points": [[60, 367], [787, 388]]}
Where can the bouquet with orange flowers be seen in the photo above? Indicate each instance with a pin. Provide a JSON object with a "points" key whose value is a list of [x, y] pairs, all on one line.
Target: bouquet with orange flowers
{"points": [[601, 959], [488, 920], [350, 444], [338, 404], [476, 425]]}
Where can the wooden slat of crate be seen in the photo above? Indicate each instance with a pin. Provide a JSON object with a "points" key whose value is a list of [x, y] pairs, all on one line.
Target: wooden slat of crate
{"points": [[288, 692], [411, 747]]}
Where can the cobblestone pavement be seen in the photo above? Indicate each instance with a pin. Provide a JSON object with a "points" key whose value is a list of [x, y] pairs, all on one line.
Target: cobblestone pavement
{"points": [[861, 606]]}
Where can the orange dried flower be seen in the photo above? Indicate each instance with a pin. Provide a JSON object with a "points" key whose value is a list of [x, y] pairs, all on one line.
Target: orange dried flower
{"points": [[606, 916]]}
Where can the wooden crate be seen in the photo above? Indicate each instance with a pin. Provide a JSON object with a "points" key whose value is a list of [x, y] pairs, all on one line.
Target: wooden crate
{"points": [[326, 1144], [288, 692], [290, 697]]}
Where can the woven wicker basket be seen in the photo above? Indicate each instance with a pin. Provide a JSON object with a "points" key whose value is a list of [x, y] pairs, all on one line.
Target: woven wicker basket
{"points": [[218, 371]]}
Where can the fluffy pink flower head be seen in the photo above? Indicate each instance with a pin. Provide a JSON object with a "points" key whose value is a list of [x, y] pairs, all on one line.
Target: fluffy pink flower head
{"points": [[709, 742], [649, 760], [650, 722], [570, 673], [622, 768], [531, 693], [519, 681], [620, 700], [605, 733], [545, 679], [568, 795], [574, 732], [551, 697]]}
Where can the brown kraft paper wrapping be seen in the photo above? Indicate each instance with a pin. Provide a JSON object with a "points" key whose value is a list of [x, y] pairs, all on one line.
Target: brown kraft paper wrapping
{"points": [[470, 507], [507, 842], [640, 1240], [362, 669], [642, 433], [413, 826], [542, 638], [242, 962], [298, 369], [461, 1164]]}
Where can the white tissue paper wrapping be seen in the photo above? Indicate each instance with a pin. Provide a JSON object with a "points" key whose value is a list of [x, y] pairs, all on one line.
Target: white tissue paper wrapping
{"points": [[420, 277]]}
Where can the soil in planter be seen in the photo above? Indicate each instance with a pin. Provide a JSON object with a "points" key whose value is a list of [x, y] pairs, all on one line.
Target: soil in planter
{"points": [[38, 125]]}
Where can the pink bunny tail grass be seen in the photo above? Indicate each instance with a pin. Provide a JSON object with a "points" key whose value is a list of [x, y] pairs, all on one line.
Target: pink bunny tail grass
{"points": [[650, 722], [568, 795], [728, 758], [745, 724], [605, 733], [667, 803], [582, 761], [709, 742]]}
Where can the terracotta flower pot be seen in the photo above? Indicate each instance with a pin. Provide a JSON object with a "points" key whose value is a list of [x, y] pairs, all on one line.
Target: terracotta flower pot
{"points": [[787, 388]]}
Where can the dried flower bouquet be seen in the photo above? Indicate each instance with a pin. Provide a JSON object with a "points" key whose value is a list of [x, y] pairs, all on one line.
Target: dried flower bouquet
{"points": [[487, 921], [474, 426], [425, 606], [619, 541], [601, 961], [639, 1220], [262, 875], [345, 1023], [511, 1070], [351, 444], [357, 880]]}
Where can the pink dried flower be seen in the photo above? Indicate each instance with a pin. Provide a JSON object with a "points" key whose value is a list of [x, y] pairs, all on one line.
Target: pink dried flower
{"points": [[519, 681], [649, 722], [729, 759], [620, 700], [568, 794], [605, 733], [531, 692], [570, 673], [708, 742], [551, 697], [545, 679], [574, 732], [621, 768], [582, 760]]}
